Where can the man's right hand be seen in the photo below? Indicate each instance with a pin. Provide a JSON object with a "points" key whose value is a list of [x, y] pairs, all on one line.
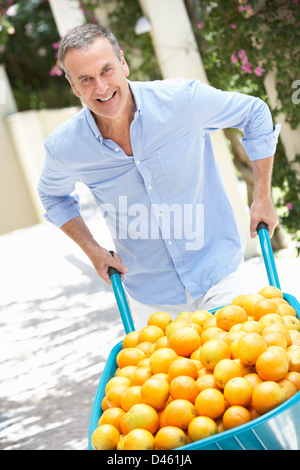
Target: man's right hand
{"points": [[101, 258]]}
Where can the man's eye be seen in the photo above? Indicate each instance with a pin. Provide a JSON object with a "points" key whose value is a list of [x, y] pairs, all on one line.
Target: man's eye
{"points": [[85, 80], [108, 69]]}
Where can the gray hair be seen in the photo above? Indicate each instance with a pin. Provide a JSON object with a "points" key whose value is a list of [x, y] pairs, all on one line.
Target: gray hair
{"points": [[81, 37]]}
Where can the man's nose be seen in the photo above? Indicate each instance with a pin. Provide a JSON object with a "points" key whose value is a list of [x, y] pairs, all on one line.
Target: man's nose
{"points": [[100, 85]]}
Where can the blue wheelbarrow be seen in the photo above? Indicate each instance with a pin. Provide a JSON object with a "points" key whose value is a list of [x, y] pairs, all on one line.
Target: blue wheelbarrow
{"points": [[278, 429]]}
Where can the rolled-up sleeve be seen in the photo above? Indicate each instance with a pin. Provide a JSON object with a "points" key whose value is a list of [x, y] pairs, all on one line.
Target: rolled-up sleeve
{"points": [[216, 109], [56, 190]]}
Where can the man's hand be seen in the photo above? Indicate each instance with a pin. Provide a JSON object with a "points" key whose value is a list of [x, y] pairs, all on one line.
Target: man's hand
{"points": [[263, 210], [101, 258]]}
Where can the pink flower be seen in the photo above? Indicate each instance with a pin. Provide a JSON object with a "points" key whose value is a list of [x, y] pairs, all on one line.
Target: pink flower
{"points": [[240, 9], [258, 71], [55, 71], [241, 53], [295, 2], [288, 17], [248, 7], [233, 26], [290, 206], [55, 45], [234, 59], [200, 25], [247, 67]]}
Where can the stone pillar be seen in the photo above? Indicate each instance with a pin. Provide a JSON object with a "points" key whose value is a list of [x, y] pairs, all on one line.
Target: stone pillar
{"points": [[67, 14], [178, 55]]}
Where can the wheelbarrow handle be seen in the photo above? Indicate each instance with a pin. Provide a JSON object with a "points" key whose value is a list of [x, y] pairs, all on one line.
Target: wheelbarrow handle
{"points": [[115, 277], [268, 255]]}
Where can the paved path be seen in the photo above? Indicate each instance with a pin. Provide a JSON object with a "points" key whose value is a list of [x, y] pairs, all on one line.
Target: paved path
{"points": [[59, 322]]}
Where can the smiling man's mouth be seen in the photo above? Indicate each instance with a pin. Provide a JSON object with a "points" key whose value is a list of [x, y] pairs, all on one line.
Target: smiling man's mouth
{"points": [[106, 99]]}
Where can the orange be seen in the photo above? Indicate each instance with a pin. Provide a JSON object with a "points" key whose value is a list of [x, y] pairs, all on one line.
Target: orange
{"points": [[266, 396], [277, 328], [104, 404], [206, 381], [210, 333], [294, 358], [138, 439], [272, 365], [252, 326], [291, 322], [160, 319], [202, 427], [270, 319], [253, 379], [179, 413], [269, 292], [286, 309], [295, 337], [129, 357], [174, 326], [210, 323], [184, 341], [200, 316], [161, 359], [161, 376], [141, 416], [288, 387], [169, 437], [155, 392], [226, 370], [126, 371], [184, 387], [245, 368], [230, 315], [250, 301], [238, 391], [105, 437], [150, 333], [196, 354], [143, 363], [131, 397], [210, 402], [140, 375], [162, 342], [114, 395], [213, 351], [131, 340], [182, 366], [264, 306], [234, 416], [275, 339], [112, 416], [146, 347], [116, 381], [249, 347], [294, 377], [239, 300]]}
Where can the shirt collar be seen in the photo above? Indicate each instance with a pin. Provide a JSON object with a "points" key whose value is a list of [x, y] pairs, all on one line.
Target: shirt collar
{"points": [[91, 121]]}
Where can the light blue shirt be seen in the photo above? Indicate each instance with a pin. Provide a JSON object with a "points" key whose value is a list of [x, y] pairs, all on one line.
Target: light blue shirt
{"points": [[166, 205]]}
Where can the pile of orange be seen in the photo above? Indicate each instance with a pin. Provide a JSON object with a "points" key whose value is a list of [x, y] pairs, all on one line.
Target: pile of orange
{"points": [[179, 381]]}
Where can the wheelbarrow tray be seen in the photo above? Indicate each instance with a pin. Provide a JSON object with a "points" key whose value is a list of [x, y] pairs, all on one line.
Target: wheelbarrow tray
{"points": [[279, 429]]}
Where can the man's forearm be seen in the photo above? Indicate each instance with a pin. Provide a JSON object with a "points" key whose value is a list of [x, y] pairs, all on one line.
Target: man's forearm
{"points": [[262, 208], [78, 231]]}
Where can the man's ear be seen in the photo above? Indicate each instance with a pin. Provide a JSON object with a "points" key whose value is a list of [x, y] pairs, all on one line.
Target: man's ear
{"points": [[125, 65], [75, 91]]}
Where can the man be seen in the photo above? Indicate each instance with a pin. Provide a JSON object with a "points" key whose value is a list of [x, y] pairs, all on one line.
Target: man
{"points": [[144, 151]]}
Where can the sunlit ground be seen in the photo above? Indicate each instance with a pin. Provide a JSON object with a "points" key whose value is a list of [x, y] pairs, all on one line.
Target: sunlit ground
{"points": [[58, 323]]}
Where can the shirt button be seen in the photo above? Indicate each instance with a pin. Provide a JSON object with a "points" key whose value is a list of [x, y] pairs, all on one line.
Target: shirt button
{"points": [[116, 149], [138, 162], [169, 242], [149, 187]]}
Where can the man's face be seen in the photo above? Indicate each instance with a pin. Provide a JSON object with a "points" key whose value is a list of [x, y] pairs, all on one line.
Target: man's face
{"points": [[98, 77]]}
